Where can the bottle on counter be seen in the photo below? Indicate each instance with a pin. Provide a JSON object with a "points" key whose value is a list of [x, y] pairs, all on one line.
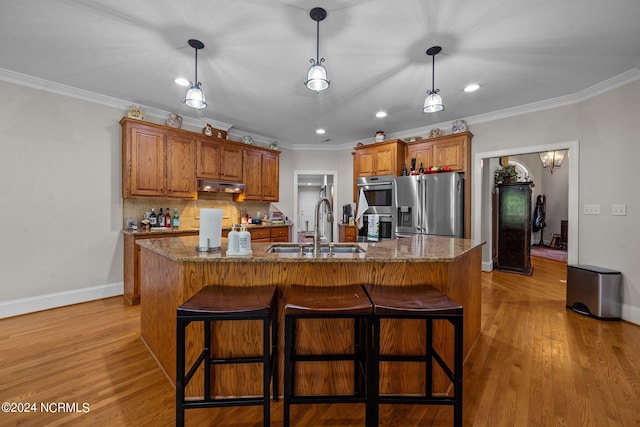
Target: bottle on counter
{"points": [[233, 240], [160, 219], [404, 170], [167, 218], [153, 218], [176, 219], [244, 241]]}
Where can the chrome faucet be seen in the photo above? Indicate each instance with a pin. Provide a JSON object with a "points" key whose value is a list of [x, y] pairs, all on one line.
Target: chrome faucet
{"points": [[316, 231]]}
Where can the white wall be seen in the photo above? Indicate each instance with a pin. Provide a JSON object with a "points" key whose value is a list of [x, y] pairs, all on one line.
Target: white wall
{"points": [[60, 198], [605, 128]]}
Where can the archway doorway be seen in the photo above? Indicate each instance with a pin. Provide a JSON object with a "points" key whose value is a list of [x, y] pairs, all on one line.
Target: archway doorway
{"points": [[481, 198]]}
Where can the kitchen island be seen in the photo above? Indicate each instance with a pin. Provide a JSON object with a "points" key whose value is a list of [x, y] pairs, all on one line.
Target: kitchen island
{"points": [[172, 271]]}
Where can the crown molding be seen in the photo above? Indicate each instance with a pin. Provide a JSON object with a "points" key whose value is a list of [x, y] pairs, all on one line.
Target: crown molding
{"points": [[60, 89], [85, 95]]}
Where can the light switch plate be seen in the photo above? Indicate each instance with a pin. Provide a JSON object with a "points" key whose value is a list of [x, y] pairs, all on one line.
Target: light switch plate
{"points": [[619, 210], [592, 209]]}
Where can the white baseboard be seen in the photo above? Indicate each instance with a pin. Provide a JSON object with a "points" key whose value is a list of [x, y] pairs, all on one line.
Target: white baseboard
{"points": [[631, 313], [487, 266], [59, 299]]}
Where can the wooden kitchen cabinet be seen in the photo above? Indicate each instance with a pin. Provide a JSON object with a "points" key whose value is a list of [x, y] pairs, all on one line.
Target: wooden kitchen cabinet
{"points": [[261, 173], [179, 172], [281, 234], [132, 261], [218, 160], [156, 162], [423, 153], [142, 160], [260, 234], [347, 233], [381, 158], [450, 150]]}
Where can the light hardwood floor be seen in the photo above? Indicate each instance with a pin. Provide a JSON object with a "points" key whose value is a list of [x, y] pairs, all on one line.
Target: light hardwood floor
{"points": [[534, 364]]}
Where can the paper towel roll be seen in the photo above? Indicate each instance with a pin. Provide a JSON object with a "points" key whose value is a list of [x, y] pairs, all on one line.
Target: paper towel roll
{"points": [[210, 236]]}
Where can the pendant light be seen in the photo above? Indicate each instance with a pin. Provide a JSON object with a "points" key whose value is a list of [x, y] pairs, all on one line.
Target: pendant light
{"points": [[433, 103], [194, 97], [552, 159], [317, 74]]}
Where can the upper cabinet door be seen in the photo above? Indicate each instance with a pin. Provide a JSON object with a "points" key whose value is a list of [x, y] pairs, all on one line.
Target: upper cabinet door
{"points": [[143, 154], [252, 165], [231, 163], [218, 160], [208, 154], [181, 175], [271, 174], [451, 153]]}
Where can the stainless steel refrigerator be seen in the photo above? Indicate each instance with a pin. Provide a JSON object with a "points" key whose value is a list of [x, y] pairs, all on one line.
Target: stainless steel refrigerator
{"points": [[430, 204]]}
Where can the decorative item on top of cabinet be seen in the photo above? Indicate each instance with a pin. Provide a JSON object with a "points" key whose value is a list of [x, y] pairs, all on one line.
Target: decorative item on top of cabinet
{"points": [[435, 132], [135, 113], [208, 130], [379, 136], [174, 121], [459, 126]]}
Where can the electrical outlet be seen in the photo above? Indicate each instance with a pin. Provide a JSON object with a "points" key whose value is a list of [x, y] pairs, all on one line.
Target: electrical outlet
{"points": [[619, 210], [592, 209]]}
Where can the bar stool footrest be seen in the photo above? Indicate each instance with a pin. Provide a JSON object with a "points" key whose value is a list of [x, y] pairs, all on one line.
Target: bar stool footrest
{"points": [[333, 398], [223, 402], [410, 400]]}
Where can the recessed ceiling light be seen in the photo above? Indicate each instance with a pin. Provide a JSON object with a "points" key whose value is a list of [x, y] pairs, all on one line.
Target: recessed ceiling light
{"points": [[320, 131], [472, 87], [381, 114], [182, 82]]}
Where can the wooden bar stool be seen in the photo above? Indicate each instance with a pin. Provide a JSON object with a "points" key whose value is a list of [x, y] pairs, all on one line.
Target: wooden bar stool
{"points": [[222, 304], [421, 302], [301, 305]]}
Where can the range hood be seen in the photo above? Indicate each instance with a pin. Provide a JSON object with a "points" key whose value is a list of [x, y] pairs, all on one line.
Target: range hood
{"points": [[220, 186]]}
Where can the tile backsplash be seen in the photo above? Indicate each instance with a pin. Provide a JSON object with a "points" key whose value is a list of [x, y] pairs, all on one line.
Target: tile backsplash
{"points": [[189, 210]]}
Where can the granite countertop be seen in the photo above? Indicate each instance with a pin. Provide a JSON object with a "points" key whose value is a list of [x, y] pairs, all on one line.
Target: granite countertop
{"points": [[164, 231], [406, 249]]}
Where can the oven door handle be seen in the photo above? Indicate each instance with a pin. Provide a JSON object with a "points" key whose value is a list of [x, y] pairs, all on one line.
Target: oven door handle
{"points": [[380, 214], [371, 184]]}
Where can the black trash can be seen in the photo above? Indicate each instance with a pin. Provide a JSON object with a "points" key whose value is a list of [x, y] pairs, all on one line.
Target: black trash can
{"points": [[594, 291]]}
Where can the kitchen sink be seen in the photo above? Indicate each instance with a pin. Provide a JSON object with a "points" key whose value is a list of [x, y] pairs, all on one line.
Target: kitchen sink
{"points": [[305, 249]]}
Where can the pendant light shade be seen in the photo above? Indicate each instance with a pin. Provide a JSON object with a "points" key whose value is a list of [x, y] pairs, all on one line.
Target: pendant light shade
{"points": [[317, 74], [194, 97], [433, 103]]}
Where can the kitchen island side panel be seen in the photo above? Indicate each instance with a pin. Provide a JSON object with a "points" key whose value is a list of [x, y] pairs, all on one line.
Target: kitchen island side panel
{"points": [[169, 283]]}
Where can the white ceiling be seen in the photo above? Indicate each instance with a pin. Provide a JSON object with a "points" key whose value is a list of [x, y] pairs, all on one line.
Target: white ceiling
{"points": [[257, 53]]}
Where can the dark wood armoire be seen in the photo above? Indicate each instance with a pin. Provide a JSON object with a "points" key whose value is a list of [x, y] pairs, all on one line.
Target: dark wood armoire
{"points": [[514, 227]]}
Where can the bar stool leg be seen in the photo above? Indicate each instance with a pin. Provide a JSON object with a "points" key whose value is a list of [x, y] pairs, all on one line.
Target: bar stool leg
{"points": [[429, 361], [207, 359], [266, 371], [289, 329], [180, 362], [274, 352], [458, 362], [373, 404]]}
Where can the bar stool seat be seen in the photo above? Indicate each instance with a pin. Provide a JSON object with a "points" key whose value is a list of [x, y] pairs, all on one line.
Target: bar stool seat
{"points": [[227, 303], [421, 302], [334, 302]]}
